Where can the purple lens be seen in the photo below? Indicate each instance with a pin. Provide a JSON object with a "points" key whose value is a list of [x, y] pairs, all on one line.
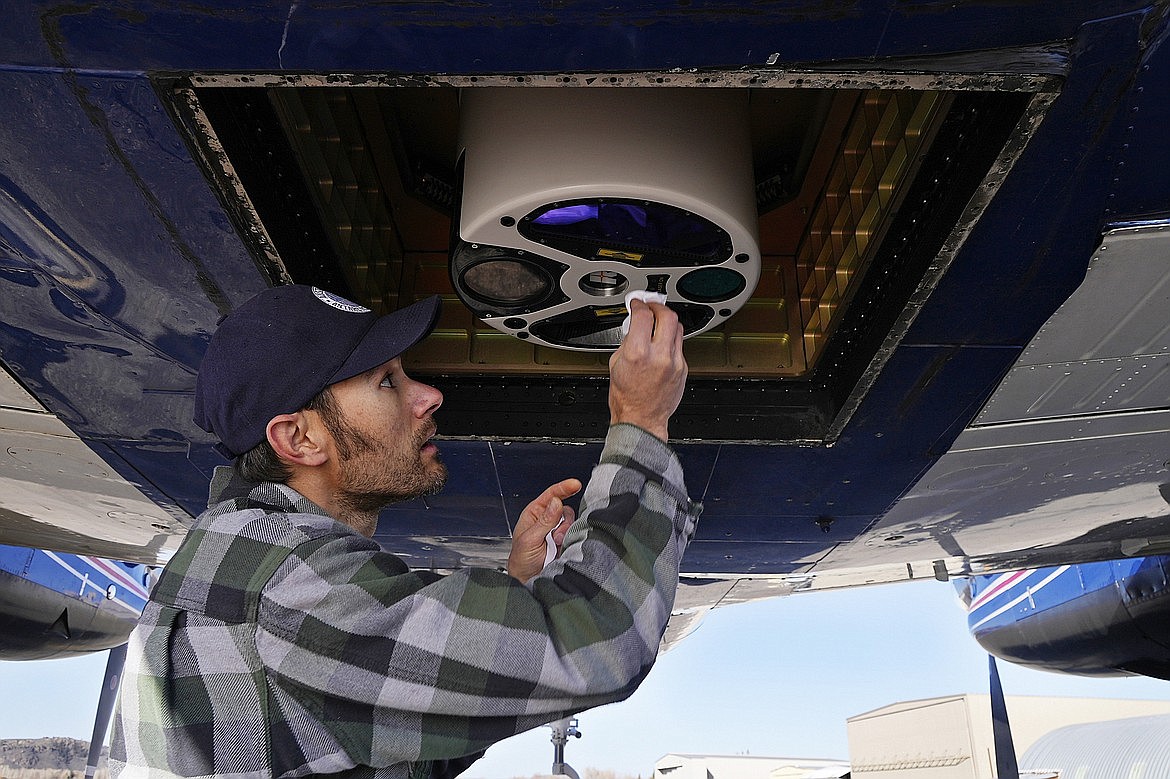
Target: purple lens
{"points": [[642, 227]]}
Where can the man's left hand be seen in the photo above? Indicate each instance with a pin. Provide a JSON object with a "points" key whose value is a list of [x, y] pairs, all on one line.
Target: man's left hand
{"points": [[547, 513]]}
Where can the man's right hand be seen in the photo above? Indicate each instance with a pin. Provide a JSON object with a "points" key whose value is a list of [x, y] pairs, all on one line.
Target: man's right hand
{"points": [[647, 374]]}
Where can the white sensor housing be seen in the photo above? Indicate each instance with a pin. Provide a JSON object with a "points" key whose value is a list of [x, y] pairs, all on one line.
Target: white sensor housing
{"points": [[573, 196]]}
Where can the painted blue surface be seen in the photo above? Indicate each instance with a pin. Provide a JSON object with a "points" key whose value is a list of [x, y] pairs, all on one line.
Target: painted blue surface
{"points": [[85, 579], [1030, 248], [1104, 618], [116, 258], [54, 604], [1008, 598], [521, 36]]}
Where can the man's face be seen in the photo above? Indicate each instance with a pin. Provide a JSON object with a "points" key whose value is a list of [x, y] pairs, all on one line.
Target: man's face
{"points": [[382, 438]]}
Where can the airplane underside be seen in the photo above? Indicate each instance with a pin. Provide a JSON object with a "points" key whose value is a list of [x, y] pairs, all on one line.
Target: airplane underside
{"points": [[953, 360]]}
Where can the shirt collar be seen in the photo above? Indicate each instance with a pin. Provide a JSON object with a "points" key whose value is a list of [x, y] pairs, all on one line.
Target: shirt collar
{"points": [[228, 485]]}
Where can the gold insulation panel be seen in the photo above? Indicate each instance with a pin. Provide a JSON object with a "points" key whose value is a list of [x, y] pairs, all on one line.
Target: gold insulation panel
{"points": [[392, 246], [884, 140]]}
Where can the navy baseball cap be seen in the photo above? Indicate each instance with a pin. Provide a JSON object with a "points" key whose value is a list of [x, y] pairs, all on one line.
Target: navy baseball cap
{"points": [[274, 353]]}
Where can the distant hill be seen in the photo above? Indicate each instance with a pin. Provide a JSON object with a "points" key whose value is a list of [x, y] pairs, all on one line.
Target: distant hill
{"points": [[49, 757]]}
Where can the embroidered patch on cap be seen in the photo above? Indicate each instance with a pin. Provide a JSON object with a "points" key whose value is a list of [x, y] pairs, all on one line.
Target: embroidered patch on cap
{"points": [[338, 302]]}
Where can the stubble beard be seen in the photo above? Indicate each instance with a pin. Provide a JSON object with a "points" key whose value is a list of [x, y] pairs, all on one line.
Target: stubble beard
{"points": [[374, 475]]}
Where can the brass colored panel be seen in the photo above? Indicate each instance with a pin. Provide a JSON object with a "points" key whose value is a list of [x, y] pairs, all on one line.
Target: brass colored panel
{"points": [[442, 348], [491, 347], [761, 317], [709, 349], [758, 352], [349, 194], [565, 360], [888, 129]]}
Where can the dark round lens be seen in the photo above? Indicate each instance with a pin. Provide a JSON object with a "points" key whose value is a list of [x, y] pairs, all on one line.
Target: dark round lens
{"points": [[708, 285]]}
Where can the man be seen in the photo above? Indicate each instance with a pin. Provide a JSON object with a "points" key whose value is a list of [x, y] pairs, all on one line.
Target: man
{"points": [[282, 641]]}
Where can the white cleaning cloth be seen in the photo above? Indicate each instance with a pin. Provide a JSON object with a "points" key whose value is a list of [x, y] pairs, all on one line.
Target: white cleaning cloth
{"points": [[645, 296], [550, 546], [550, 549]]}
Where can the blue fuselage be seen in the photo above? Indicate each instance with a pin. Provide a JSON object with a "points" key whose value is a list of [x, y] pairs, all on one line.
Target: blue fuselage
{"points": [[1094, 619], [55, 605]]}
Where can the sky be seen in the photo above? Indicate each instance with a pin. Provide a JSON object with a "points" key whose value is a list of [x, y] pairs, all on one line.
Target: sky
{"points": [[771, 678]]}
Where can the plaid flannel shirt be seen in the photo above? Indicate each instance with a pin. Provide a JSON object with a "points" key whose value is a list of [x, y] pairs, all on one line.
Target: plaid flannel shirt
{"points": [[280, 643]]}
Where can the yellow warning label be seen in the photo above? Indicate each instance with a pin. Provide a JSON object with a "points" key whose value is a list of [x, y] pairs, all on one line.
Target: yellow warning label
{"points": [[614, 311], [614, 254]]}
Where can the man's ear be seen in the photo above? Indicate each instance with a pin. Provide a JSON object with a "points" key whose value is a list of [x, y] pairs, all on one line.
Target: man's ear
{"points": [[295, 439]]}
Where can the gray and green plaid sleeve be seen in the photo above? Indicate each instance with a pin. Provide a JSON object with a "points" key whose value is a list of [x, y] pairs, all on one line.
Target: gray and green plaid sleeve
{"points": [[439, 668], [357, 661]]}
